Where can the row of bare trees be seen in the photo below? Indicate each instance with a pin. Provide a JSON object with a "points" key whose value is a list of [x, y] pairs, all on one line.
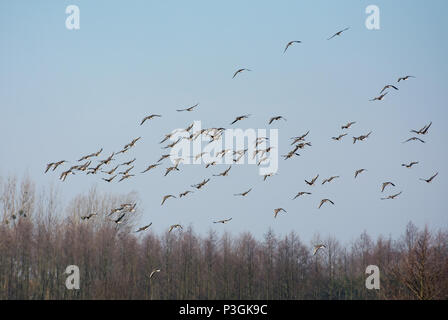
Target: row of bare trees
{"points": [[39, 238]]}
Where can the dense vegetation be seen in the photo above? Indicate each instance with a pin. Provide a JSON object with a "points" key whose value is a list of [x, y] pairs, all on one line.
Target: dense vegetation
{"points": [[39, 239]]}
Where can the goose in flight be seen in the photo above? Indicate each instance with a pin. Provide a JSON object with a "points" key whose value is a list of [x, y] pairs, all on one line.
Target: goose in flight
{"points": [[423, 130], [290, 154], [317, 247], [409, 165], [405, 78], [54, 165], [95, 154], [389, 86], [329, 179], [109, 159], [392, 196], [167, 197], [277, 211], [243, 194], [300, 138], [143, 228], [149, 118], [267, 175], [167, 136], [224, 173], [339, 137], [126, 176], [128, 163], [301, 193], [223, 221], [175, 226], [119, 219], [262, 160], [430, 179], [95, 169], [338, 33], [168, 170], [359, 171], [240, 70], [323, 201], [379, 98], [414, 139], [172, 144], [310, 183], [49, 165], [112, 170], [213, 163], [126, 171], [87, 217], [201, 184], [348, 125], [153, 272], [183, 194], [385, 184], [361, 138], [239, 118], [65, 174], [163, 157], [151, 166], [291, 43], [132, 143], [276, 118], [188, 109], [109, 179]]}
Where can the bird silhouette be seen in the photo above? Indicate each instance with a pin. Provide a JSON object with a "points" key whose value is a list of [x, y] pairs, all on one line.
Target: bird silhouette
{"points": [[338, 33], [239, 71], [429, 179], [149, 118], [323, 201], [291, 43]]}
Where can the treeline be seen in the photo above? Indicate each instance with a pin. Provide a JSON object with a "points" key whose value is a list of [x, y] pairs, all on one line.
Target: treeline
{"points": [[39, 238]]}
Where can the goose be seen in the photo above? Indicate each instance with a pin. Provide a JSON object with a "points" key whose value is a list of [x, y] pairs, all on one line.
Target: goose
{"points": [[301, 193], [224, 173], [359, 171], [414, 139], [329, 179], [299, 138], [57, 164], [65, 174], [149, 118], [172, 144], [239, 118], [338, 33], [167, 136], [88, 216], [409, 165], [276, 118], [348, 125], [379, 98], [392, 196], [317, 247], [199, 155], [132, 143], [168, 170], [310, 183], [183, 194], [153, 272], [188, 109], [126, 176], [262, 160], [430, 179], [187, 129], [49, 165], [222, 153], [128, 163], [423, 130], [109, 179], [361, 138], [339, 137], [166, 198], [175, 226], [119, 219], [290, 155], [210, 164], [243, 194], [223, 221], [109, 159], [201, 184], [405, 78], [291, 43], [95, 169], [151, 166], [240, 70], [389, 86], [323, 201], [126, 171], [143, 228], [123, 150], [111, 171], [385, 184], [277, 211], [95, 154], [267, 175], [163, 157]]}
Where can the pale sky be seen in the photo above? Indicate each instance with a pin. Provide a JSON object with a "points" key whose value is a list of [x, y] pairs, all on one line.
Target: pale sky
{"points": [[66, 93]]}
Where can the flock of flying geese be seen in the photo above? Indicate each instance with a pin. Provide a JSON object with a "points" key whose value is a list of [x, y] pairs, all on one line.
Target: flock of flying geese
{"points": [[118, 214]]}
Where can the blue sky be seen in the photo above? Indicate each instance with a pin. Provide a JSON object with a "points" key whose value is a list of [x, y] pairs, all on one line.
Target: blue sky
{"points": [[67, 93]]}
